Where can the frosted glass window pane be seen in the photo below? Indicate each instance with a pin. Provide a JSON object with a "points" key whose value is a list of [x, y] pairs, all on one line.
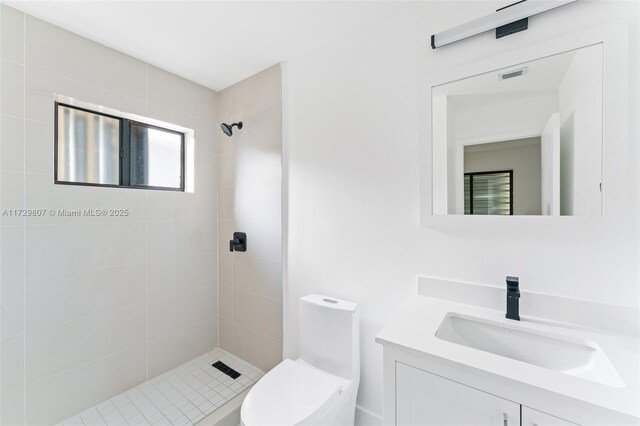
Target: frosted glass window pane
{"points": [[88, 147], [156, 157]]}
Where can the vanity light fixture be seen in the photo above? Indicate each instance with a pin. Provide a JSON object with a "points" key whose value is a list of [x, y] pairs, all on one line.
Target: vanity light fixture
{"points": [[507, 20]]}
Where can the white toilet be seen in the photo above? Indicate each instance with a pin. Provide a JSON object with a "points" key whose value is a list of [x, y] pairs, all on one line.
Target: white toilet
{"points": [[321, 386]]}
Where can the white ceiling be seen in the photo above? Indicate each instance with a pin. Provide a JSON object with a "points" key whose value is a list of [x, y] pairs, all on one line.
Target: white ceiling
{"points": [[214, 43]]}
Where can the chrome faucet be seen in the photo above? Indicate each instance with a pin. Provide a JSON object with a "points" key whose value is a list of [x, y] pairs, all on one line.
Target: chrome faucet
{"points": [[513, 299]]}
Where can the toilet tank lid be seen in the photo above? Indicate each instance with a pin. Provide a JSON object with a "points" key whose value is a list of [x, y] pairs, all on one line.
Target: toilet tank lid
{"points": [[330, 302]]}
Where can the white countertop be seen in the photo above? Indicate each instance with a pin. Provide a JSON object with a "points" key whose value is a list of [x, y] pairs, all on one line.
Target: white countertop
{"points": [[415, 329]]}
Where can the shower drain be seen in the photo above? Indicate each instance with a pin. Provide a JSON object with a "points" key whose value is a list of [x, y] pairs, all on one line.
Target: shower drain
{"points": [[226, 369]]}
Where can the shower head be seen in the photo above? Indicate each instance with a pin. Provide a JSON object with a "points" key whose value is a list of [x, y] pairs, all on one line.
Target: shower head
{"points": [[228, 128]]}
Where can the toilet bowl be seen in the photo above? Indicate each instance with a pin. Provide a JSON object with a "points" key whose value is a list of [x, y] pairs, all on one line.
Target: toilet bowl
{"points": [[320, 387]]}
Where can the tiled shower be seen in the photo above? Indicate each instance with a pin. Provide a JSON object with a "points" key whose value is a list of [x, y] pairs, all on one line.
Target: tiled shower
{"points": [[94, 306]]}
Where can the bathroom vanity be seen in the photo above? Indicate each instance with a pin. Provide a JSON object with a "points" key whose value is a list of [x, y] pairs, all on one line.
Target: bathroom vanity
{"points": [[458, 360]]}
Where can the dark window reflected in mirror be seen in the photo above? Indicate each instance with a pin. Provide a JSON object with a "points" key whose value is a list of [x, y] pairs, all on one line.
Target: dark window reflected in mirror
{"points": [[488, 193]]}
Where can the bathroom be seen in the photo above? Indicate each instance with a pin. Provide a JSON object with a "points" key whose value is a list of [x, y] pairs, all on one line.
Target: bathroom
{"points": [[308, 160]]}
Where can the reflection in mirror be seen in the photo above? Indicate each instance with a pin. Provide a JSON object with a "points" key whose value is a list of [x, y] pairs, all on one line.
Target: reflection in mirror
{"points": [[523, 140]]}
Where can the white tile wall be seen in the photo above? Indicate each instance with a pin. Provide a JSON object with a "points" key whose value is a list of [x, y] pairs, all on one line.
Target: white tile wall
{"points": [[92, 307], [250, 197], [182, 396]]}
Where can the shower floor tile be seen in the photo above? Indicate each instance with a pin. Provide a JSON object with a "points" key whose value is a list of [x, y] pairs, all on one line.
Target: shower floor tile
{"points": [[182, 396]]}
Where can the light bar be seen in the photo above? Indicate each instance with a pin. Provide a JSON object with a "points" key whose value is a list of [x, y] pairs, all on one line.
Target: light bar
{"points": [[504, 16]]}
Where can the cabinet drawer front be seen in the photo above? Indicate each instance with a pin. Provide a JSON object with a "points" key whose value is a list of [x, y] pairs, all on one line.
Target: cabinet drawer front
{"points": [[425, 399], [531, 417]]}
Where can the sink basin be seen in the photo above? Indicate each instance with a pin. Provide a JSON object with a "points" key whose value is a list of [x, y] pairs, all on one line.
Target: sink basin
{"points": [[576, 357]]}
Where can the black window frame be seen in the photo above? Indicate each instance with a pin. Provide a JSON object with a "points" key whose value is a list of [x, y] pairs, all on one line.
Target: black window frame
{"points": [[493, 172], [124, 155]]}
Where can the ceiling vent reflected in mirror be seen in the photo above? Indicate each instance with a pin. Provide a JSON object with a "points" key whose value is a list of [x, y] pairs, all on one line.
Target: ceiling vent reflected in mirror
{"points": [[512, 74]]}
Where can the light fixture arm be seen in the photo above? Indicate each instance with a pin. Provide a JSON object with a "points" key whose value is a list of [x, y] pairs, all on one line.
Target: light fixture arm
{"points": [[504, 16]]}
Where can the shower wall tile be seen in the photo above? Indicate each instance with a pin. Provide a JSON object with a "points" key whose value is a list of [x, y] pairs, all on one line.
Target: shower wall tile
{"points": [[12, 35], [61, 347], [257, 348], [38, 147], [250, 200], [259, 312], [225, 293], [59, 249], [12, 81], [78, 294], [61, 396], [226, 334], [12, 318], [12, 144], [181, 346], [11, 253], [56, 299], [165, 90], [12, 352], [12, 407], [12, 189], [257, 91], [259, 276], [49, 48], [40, 87]]}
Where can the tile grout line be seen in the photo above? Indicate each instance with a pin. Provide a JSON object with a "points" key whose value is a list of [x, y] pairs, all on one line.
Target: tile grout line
{"points": [[24, 197], [146, 237], [135, 98]]}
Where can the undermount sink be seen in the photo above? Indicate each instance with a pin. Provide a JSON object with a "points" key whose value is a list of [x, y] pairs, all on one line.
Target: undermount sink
{"points": [[576, 357]]}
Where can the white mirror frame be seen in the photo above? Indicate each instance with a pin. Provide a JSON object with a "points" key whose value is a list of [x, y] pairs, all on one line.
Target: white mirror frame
{"points": [[615, 121]]}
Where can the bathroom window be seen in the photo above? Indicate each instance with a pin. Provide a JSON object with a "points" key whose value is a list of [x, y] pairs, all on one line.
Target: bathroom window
{"points": [[488, 193], [93, 148]]}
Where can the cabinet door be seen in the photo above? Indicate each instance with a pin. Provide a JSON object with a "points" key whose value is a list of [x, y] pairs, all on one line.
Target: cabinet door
{"points": [[426, 399], [531, 417]]}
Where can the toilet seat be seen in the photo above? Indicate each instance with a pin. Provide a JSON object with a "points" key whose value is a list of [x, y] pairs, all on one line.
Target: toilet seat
{"points": [[292, 393]]}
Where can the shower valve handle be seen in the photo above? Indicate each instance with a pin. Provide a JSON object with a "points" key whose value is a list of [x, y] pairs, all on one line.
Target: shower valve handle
{"points": [[239, 242]]}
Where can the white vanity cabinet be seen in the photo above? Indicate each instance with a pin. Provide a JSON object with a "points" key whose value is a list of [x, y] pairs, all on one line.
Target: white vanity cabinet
{"points": [[531, 417], [424, 399]]}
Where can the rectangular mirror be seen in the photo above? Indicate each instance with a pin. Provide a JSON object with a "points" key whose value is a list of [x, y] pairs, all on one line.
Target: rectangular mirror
{"points": [[521, 140]]}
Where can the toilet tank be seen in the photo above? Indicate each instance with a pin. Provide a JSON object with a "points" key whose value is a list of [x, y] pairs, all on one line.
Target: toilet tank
{"points": [[329, 335]]}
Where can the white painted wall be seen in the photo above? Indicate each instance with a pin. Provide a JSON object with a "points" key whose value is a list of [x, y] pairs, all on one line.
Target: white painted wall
{"points": [[92, 306], [353, 147]]}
